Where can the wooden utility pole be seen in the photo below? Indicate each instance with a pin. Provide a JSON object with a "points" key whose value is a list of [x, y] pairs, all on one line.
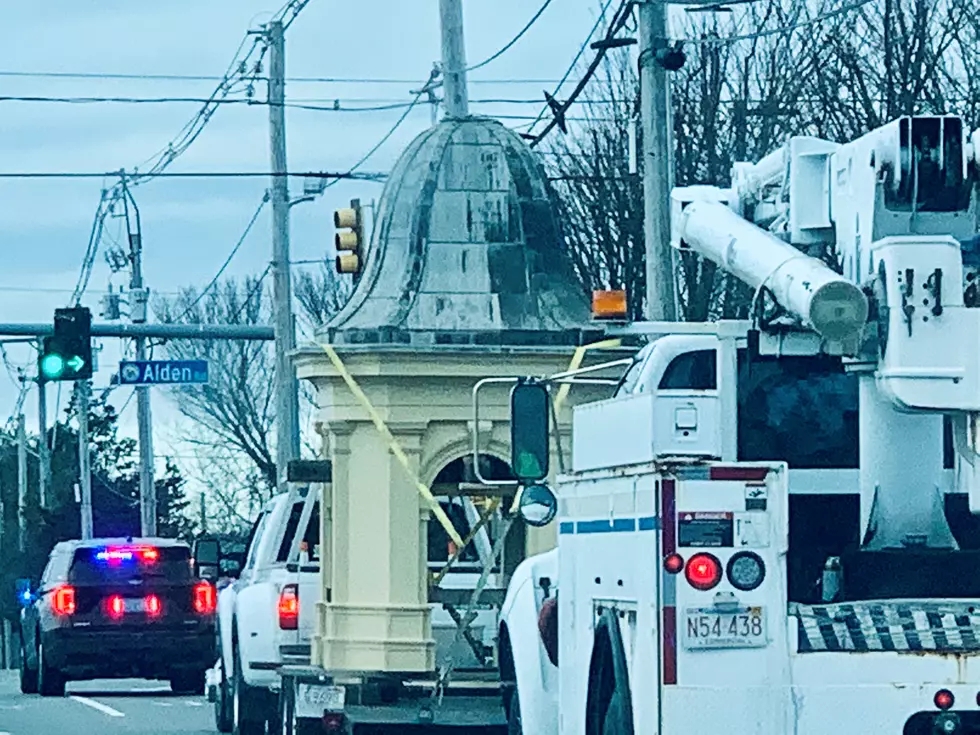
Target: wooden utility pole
{"points": [[661, 301], [456, 95], [84, 460], [21, 483], [287, 387]]}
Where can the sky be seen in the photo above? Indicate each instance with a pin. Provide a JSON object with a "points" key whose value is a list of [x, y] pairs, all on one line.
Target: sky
{"points": [[190, 225]]}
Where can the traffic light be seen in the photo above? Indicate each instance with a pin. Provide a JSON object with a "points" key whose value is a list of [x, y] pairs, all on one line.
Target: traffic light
{"points": [[67, 354], [350, 240]]}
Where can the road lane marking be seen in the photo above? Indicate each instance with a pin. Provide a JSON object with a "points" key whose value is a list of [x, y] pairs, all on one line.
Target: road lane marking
{"points": [[103, 708], [164, 704], [189, 704]]}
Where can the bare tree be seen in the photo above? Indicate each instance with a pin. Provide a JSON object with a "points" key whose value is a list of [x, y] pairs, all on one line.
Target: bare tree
{"points": [[772, 69], [234, 413]]}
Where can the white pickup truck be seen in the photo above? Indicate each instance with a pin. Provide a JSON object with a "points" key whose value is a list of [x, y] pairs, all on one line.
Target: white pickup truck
{"points": [[266, 617]]}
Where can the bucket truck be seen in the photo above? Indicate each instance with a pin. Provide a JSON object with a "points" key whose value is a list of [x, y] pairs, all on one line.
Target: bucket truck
{"points": [[712, 573]]}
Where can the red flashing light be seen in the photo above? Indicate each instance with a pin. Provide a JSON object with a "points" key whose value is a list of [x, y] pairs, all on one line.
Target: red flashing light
{"points": [[115, 607], [204, 602], [674, 563], [152, 605], [703, 571], [289, 607], [944, 699], [150, 555], [63, 601]]}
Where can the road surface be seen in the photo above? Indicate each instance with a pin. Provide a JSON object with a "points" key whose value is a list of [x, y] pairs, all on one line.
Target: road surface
{"points": [[103, 708]]}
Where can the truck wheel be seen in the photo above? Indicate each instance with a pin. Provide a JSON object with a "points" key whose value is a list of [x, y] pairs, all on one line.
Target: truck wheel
{"points": [[28, 676], [188, 682], [223, 715], [515, 726], [246, 705], [50, 681]]}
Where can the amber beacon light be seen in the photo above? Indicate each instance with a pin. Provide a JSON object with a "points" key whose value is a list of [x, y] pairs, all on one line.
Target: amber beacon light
{"points": [[609, 305], [349, 239]]}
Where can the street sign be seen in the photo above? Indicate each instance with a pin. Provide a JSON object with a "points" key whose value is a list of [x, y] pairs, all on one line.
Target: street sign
{"points": [[163, 372]]}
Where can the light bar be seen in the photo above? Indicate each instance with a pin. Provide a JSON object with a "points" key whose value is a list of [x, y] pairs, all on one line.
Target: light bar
{"points": [[146, 554]]}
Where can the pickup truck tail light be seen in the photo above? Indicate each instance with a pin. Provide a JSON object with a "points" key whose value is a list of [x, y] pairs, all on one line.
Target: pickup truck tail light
{"points": [[63, 601], [289, 607], [204, 598]]}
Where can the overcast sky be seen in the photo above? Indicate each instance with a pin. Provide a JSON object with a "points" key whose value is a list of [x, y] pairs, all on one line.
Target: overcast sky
{"points": [[189, 226]]}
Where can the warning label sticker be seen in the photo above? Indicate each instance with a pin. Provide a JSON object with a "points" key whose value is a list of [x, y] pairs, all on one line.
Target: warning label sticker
{"points": [[706, 529]]}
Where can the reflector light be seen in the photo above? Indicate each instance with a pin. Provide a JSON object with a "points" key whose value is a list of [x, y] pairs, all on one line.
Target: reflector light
{"points": [[674, 563], [944, 699], [115, 607], [204, 602], [703, 571], [289, 607], [63, 601], [151, 603]]}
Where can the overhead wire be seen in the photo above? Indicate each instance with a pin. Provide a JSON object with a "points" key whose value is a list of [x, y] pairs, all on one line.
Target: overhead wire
{"points": [[512, 42], [571, 67], [231, 256]]}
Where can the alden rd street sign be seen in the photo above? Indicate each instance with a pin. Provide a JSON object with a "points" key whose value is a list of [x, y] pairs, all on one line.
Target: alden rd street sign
{"points": [[163, 372]]}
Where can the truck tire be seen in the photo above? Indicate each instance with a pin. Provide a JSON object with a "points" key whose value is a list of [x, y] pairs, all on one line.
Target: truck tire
{"points": [[223, 715], [248, 717], [28, 676], [50, 681], [609, 703]]}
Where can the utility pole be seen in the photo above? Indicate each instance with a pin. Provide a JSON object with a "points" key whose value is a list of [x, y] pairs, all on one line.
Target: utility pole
{"points": [[21, 483], [43, 448], [82, 388], [144, 417], [456, 96], [287, 387], [204, 514], [661, 301]]}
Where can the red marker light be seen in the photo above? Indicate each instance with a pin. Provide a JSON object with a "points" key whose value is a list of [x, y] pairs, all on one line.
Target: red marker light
{"points": [[944, 699], [115, 607], [63, 601], [204, 602], [674, 563], [151, 603], [289, 607], [150, 556], [703, 571]]}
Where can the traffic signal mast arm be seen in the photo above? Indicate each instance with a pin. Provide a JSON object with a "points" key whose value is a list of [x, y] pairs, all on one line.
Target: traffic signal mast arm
{"points": [[892, 208]]}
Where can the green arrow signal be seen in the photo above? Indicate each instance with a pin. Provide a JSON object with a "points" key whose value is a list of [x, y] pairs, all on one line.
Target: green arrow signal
{"points": [[76, 363]]}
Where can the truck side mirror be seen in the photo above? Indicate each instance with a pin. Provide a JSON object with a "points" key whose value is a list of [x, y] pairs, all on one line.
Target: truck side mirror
{"points": [[538, 506], [207, 558], [529, 433]]}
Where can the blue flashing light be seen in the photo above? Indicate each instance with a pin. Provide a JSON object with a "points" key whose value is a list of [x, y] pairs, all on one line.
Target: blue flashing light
{"points": [[25, 596], [114, 556]]}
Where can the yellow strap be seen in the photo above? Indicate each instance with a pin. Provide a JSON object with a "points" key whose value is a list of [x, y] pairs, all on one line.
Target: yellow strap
{"points": [[575, 364], [393, 445]]}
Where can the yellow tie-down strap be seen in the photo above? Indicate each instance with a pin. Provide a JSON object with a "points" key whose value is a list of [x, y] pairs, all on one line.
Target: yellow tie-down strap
{"points": [[393, 446], [575, 364]]}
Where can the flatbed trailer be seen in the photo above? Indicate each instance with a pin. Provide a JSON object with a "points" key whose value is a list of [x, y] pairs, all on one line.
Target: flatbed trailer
{"points": [[317, 701]]}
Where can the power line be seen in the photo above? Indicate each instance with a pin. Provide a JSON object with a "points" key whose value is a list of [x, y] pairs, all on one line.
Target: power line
{"points": [[514, 41], [371, 176], [618, 22], [231, 255], [778, 31], [119, 76]]}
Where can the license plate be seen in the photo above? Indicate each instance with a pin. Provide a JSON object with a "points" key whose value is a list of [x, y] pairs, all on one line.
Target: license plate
{"points": [[708, 628], [312, 700], [133, 605]]}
